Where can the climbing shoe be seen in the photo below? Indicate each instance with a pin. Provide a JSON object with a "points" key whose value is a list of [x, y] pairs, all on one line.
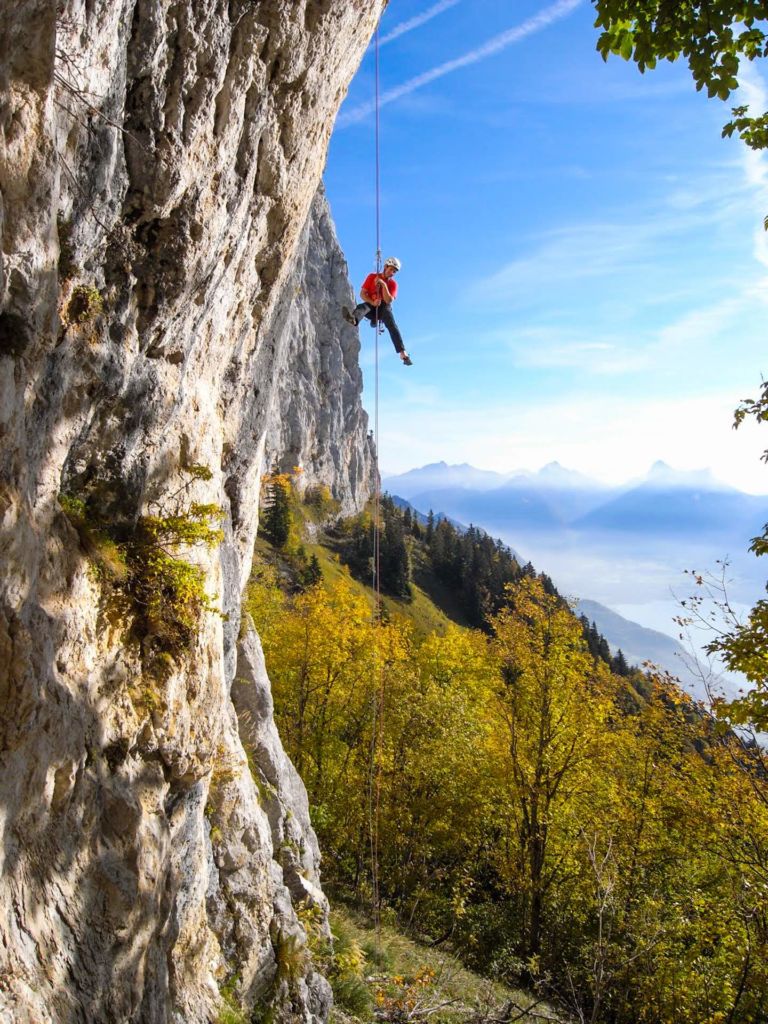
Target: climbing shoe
{"points": [[348, 315]]}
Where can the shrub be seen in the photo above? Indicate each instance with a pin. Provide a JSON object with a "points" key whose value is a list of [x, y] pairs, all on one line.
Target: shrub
{"points": [[321, 501], [165, 593], [84, 304], [347, 973], [231, 1012]]}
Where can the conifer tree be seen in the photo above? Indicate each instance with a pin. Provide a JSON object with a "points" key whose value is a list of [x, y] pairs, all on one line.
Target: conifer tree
{"points": [[276, 518], [312, 573], [619, 664], [393, 555]]}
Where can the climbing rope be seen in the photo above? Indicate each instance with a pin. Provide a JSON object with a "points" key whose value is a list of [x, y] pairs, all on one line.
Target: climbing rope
{"points": [[377, 489], [377, 722]]}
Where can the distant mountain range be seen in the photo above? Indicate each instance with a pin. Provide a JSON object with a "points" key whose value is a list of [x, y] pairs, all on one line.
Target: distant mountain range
{"points": [[665, 502], [670, 502]]}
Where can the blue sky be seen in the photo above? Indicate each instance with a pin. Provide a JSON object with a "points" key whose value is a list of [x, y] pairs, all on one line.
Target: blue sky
{"points": [[585, 273]]}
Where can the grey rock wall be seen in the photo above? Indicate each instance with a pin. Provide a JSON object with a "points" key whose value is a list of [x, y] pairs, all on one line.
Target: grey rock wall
{"points": [[322, 426], [158, 159]]}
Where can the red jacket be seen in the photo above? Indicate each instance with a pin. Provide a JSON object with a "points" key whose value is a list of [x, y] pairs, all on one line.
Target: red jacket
{"points": [[373, 287]]}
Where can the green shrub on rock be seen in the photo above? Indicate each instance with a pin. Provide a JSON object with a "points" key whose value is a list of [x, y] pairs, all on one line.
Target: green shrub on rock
{"points": [[140, 562]]}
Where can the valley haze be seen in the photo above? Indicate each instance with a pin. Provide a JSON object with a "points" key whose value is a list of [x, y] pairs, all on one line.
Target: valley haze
{"points": [[623, 548]]}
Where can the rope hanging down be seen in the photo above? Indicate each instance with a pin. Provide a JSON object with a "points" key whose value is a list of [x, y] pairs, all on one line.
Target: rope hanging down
{"points": [[377, 489], [377, 723]]}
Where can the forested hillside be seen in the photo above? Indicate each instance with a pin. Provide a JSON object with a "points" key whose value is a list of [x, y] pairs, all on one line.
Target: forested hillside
{"points": [[554, 823]]}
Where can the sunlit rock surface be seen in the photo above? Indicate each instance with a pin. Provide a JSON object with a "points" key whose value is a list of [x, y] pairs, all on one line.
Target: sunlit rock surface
{"points": [[157, 166]]}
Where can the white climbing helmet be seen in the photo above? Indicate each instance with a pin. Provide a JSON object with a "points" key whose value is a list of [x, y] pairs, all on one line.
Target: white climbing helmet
{"points": [[392, 261]]}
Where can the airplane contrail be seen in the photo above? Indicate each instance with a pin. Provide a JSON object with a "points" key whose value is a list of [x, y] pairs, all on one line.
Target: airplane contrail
{"points": [[420, 19], [500, 42]]}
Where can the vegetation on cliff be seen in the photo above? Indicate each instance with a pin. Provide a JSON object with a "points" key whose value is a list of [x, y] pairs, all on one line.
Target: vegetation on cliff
{"points": [[136, 558]]}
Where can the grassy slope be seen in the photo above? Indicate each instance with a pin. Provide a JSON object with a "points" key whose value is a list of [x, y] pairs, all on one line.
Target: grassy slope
{"points": [[405, 980], [432, 609]]}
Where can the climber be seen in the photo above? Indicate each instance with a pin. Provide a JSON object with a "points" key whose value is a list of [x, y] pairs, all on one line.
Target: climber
{"points": [[378, 293]]}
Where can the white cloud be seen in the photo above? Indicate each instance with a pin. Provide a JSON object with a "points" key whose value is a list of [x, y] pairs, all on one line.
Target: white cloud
{"points": [[552, 348], [636, 355], [495, 45], [417, 21], [752, 93], [721, 200], [593, 296], [605, 249], [561, 256]]}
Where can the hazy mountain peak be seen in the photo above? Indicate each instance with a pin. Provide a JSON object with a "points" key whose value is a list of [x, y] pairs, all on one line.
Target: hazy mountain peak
{"points": [[663, 474], [438, 475], [554, 474]]}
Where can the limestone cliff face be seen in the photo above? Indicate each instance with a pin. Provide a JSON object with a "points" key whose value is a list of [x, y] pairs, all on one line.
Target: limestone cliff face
{"points": [[321, 425], [157, 166]]}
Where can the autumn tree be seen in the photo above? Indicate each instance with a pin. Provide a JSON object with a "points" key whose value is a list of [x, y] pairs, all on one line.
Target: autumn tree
{"points": [[743, 644], [648, 930], [550, 702], [436, 795]]}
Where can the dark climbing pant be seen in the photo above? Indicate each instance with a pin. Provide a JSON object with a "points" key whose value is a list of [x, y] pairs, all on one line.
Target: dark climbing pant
{"points": [[385, 317]]}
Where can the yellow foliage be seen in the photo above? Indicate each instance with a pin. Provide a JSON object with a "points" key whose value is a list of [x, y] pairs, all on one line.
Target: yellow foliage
{"points": [[519, 809]]}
